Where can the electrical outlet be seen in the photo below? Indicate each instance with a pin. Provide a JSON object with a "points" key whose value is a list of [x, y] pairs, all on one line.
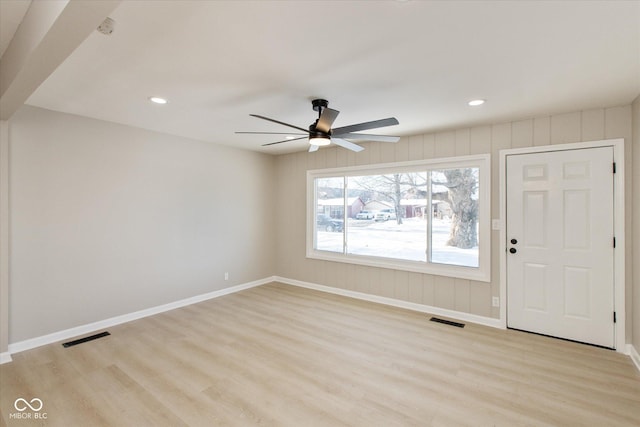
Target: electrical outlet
{"points": [[495, 224], [226, 276], [495, 301]]}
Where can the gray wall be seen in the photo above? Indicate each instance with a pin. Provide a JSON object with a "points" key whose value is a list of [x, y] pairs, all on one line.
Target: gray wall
{"points": [[636, 225], [444, 292], [4, 236], [107, 219]]}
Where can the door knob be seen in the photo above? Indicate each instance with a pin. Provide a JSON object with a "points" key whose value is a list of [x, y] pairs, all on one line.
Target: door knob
{"points": [[514, 241], [513, 250]]}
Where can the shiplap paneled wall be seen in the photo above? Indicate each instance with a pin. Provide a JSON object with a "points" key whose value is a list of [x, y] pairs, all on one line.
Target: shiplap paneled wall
{"points": [[445, 292]]}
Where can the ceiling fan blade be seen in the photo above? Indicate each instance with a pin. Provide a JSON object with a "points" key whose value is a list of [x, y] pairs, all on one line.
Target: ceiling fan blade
{"points": [[279, 122], [313, 148], [326, 119], [286, 140], [367, 137], [272, 133], [346, 144], [366, 125]]}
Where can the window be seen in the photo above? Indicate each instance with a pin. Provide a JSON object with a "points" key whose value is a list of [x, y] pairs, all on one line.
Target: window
{"points": [[429, 216]]}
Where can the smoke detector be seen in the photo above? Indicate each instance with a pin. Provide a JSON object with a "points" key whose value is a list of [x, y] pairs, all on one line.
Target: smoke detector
{"points": [[107, 26]]}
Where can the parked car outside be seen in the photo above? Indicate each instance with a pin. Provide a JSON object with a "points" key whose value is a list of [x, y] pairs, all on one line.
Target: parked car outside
{"points": [[366, 215], [329, 224], [385, 214]]}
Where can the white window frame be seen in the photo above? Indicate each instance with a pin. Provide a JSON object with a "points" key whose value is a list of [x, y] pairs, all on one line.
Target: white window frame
{"points": [[482, 162]]}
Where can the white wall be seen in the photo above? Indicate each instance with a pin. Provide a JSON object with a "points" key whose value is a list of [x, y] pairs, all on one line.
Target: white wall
{"points": [[443, 292], [107, 219]]}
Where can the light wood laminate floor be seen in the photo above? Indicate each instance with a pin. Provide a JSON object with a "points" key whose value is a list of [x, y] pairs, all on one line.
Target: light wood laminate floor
{"points": [[279, 355]]}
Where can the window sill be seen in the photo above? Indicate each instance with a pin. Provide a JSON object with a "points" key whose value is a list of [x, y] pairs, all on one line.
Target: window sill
{"points": [[458, 272]]}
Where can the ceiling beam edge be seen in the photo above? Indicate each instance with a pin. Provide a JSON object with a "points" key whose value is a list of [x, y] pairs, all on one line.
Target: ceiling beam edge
{"points": [[48, 34]]}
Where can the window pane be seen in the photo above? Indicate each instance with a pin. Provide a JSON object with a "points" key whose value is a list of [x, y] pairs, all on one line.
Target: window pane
{"points": [[454, 225], [424, 216], [329, 215], [386, 216]]}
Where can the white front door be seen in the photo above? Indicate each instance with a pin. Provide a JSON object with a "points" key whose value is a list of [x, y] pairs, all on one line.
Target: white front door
{"points": [[560, 257]]}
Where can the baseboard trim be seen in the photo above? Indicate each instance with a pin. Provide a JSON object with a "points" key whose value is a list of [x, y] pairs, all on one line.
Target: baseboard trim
{"points": [[102, 324], [5, 358], [633, 354], [458, 315], [92, 327]]}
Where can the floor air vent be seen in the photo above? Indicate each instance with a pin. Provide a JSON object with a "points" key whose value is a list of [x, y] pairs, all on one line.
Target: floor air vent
{"points": [[447, 322], [85, 339]]}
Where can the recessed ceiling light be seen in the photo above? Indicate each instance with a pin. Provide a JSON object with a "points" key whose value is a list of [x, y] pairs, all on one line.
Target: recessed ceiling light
{"points": [[289, 137], [476, 102], [158, 100]]}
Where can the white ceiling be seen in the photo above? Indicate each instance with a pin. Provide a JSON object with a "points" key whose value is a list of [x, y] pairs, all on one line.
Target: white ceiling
{"points": [[420, 61]]}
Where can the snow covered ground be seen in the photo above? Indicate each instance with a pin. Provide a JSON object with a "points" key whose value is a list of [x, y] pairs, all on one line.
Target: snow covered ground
{"points": [[406, 241]]}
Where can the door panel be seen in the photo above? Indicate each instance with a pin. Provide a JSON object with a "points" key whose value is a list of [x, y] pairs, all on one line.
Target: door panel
{"points": [[560, 268], [534, 218], [577, 218], [577, 288], [535, 287]]}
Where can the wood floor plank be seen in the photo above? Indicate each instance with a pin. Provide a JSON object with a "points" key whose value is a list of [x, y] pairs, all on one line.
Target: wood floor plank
{"points": [[278, 355]]}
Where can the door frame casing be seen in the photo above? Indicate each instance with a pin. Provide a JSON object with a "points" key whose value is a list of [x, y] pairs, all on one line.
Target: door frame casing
{"points": [[618, 220]]}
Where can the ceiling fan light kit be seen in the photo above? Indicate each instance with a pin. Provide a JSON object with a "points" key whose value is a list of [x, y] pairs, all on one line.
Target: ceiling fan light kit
{"points": [[320, 132], [320, 141]]}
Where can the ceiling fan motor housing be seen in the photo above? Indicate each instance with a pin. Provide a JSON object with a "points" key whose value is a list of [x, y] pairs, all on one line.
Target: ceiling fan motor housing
{"points": [[314, 133]]}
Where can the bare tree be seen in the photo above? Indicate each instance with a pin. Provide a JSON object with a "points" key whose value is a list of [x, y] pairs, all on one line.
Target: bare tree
{"points": [[392, 188], [462, 186], [461, 195]]}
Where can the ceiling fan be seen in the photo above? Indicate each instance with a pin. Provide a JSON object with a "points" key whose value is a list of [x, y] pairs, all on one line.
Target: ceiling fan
{"points": [[320, 132]]}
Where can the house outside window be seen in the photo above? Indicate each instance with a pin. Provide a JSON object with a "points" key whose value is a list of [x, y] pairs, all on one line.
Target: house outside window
{"points": [[429, 216]]}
